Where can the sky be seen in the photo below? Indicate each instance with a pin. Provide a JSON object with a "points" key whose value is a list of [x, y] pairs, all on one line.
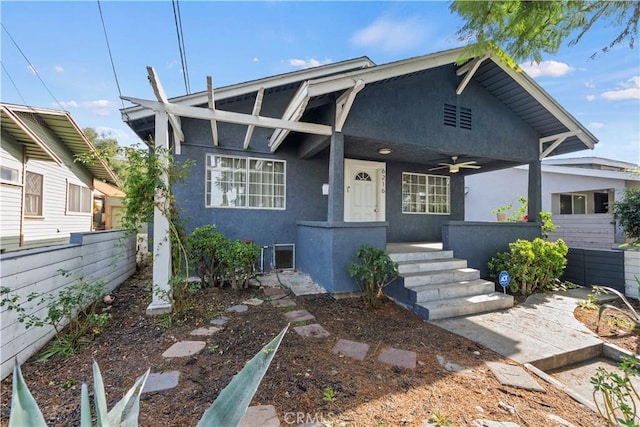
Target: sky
{"points": [[65, 47]]}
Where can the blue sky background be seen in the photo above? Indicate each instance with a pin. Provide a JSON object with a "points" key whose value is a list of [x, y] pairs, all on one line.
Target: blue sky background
{"points": [[239, 41]]}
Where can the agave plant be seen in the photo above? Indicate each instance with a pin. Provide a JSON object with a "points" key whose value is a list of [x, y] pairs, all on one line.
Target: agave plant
{"points": [[227, 410]]}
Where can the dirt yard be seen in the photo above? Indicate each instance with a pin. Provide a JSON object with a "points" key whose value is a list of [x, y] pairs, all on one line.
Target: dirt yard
{"points": [[366, 393]]}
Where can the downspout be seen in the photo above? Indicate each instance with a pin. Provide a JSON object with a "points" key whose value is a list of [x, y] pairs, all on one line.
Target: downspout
{"points": [[24, 186]]}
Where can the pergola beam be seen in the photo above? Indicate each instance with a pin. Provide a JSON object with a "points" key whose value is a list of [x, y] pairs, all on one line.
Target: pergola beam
{"points": [[256, 112], [293, 112], [158, 90], [212, 106], [232, 117], [344, 103]]}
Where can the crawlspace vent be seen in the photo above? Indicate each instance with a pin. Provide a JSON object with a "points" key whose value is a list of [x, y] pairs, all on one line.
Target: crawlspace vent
{"points": [[284, 256]]}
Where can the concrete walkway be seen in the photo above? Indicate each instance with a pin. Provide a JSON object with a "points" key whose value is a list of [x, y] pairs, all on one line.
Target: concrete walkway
{"points": [[542, 331]]}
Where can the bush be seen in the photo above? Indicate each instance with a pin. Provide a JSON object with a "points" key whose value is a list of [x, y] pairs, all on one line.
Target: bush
{"points": [[239, 259], [627, 212], [374, 271], [532, 265], [204, 247]]}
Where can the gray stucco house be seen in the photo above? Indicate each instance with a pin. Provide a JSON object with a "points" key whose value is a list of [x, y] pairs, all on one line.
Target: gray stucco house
{"points": [[332, 157]]}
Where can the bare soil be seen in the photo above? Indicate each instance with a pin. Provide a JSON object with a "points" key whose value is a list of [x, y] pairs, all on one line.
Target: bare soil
{"points": [[613, 327], [366, 392]]}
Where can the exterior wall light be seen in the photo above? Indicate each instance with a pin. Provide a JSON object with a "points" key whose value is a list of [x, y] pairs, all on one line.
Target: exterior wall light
{"points": [[384, 150]]}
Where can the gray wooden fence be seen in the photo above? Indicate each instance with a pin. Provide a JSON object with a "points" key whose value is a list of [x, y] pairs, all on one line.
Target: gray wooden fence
{"points": [[590, 267]]}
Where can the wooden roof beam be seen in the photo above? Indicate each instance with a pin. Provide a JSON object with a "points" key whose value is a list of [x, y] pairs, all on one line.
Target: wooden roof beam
{"points": [[178, 136], [232, 117], [344, 103], [555, 141], [293, 112], [212, 106], [256, 112], [469, 69]]}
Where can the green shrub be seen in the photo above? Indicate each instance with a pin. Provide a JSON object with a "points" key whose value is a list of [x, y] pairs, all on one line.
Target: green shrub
{"points": [[77, 307], [239, 259], [204, 247], [627, 212], [532, 265], [619, 395], [373, 272]]}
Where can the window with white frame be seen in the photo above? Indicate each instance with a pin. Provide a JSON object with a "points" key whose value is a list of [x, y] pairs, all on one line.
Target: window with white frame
{"points": [[241, 182], [9, 175], [573, 204], [425, 194], [33, 194], [78, 199]]}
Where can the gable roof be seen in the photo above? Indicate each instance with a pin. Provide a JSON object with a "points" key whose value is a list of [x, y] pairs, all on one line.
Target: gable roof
{"points": [[558, 130], [27, 125]]}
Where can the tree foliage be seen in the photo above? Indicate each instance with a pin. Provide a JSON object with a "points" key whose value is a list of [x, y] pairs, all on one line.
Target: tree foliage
{"points": [[108, 149], [627, 212], [525, 30]]}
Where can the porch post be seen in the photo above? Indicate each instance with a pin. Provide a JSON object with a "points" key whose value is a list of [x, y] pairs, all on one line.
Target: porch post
{"points": [[535, 191], [160, 303], [336, 179], [456, 191]]}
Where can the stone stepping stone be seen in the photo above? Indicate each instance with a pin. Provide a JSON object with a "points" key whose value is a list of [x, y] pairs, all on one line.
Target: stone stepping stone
{"points": [[260, 416], [355, 350], [161, 381], [491, 423], [513, 376], [238, 308], [284, 302], [449, 366], [253, 301], [271, 292], [299, 316], [220, 321], [397, 357], [184, 349], [311, 331], [205, 331]]}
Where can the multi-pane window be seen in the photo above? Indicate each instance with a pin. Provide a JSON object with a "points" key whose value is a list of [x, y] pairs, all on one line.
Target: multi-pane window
{"points": [[33, 194], [427, 194], [573, 204], [78, 199], [9, 175], [244, 182]]}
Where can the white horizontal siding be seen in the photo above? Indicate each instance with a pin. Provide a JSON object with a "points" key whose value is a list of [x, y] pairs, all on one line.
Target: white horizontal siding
{"points": [[585, 231], [10, 195], [632, 273], [108, 256]]}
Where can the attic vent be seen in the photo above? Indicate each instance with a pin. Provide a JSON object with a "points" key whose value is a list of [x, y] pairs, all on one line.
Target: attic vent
{"points": [[450, 112], [465, 118]]}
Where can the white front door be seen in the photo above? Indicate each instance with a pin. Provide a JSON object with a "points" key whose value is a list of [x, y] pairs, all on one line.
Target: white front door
{"points": [[364, 186]]}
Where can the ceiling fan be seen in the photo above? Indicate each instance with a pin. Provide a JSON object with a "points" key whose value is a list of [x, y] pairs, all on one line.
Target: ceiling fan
{"points": [[454, 167]]}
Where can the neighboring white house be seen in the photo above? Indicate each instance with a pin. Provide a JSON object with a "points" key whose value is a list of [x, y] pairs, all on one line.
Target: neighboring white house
{"points": [[578, 191], [44, 194]]}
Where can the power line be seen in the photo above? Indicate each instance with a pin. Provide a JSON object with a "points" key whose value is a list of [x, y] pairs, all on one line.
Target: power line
{"points": [[13, 83], [32, 67], [183, 53], [113, 67]]}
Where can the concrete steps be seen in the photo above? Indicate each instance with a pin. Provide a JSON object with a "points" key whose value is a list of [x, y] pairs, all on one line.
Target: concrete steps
{"points": [[436, 285]]}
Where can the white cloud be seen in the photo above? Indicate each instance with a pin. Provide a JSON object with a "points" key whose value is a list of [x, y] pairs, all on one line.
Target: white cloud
{"points": [[308, 63], [591, 97], [58, 69], [255, 59], [100, 103], [32, 69], [590, 84], [392, 36], [596, 125], [69, 104], [546, 69], [630, 90]]}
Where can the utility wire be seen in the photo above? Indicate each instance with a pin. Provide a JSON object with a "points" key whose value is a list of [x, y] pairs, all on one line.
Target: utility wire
{"points": [[32, 67], [113, 67], [13, 83], [183, 54]]}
